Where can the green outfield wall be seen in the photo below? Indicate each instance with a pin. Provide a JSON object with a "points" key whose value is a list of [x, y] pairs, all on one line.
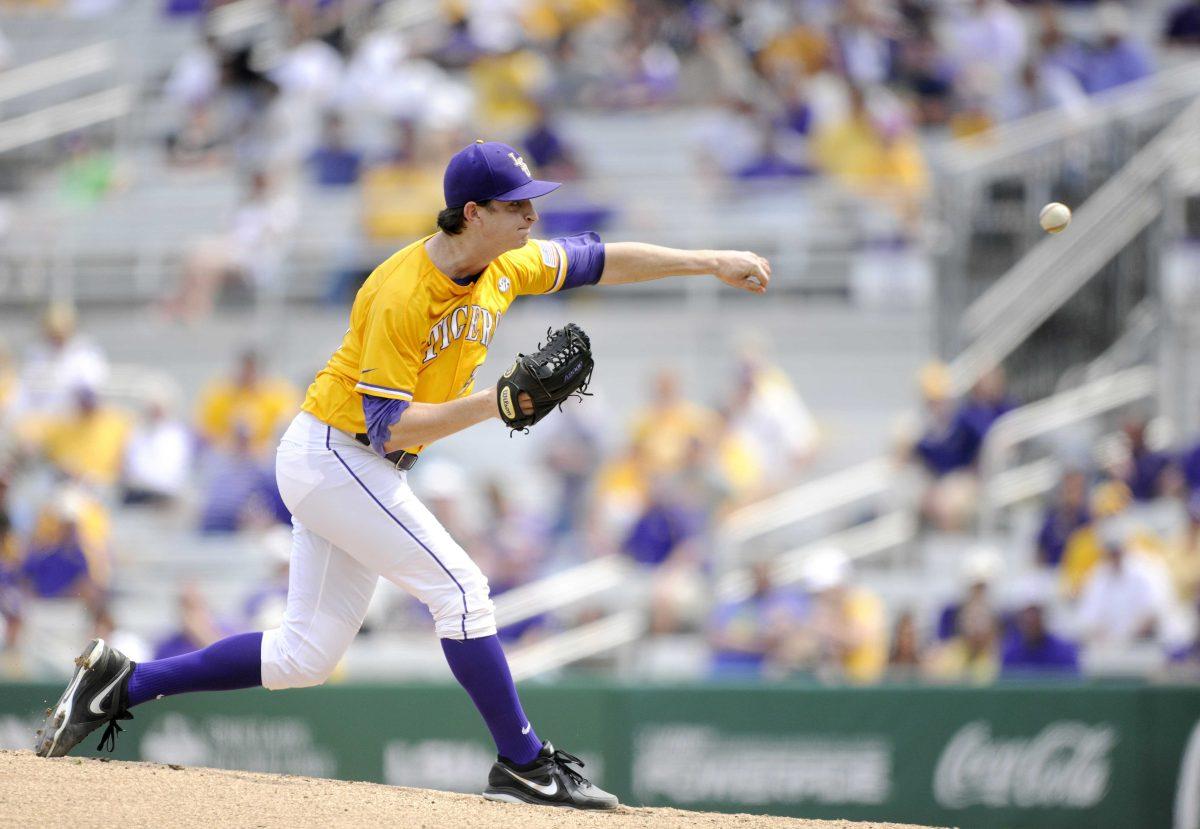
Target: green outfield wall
{"points": [[1028, 756]]}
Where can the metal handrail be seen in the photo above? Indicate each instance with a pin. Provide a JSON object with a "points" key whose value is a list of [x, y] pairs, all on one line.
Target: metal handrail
{"points": [[562, 589], [67, 66], [808, 500], [1005, 487], [1049, 275], [1106, 211], [877, 535], [579, 643], [66, 117]]}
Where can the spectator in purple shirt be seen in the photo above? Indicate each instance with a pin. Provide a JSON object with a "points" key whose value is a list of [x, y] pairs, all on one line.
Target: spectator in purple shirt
{"points": [[55, 564], [1183, 25], [1057, 49], [1067, 514], [240, 492], [953, 443], [1032, 650], [197, 626], [744, 634], [769, 162], [1145, 472], [1117, 59], [1184, 662], [1189, 464], [333, 163], [661, 529], [545, 145], [986, 403]]}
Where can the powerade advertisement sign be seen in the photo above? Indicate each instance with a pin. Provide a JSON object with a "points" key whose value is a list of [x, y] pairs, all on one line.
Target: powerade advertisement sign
{"points": [[1124, 757]]}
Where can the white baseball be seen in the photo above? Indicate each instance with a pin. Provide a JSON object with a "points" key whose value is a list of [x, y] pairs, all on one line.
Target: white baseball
{"points": [[1055, 217]]}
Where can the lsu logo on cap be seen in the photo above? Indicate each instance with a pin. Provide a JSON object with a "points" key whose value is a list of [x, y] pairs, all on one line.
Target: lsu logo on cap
{"points": [[520, 162]]}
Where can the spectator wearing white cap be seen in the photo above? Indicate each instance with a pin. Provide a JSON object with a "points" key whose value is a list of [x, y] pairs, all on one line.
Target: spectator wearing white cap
{"points": [[1116, 58], [158, 456], [1124, 600], [980, 568], [58, 365], [846, 633]]}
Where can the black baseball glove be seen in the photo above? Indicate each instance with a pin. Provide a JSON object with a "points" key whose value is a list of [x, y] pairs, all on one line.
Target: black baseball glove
{"points": [[558, 369]]}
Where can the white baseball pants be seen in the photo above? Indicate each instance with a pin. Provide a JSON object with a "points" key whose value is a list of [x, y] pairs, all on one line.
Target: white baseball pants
{"points": [[354, 519]]}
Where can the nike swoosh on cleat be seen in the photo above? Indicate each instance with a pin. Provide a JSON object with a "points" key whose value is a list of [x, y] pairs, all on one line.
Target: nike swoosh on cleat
{"points": [[549, 790], [105, 691]]}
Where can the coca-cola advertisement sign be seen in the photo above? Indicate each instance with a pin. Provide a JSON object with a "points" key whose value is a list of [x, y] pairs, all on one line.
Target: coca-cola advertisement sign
{"points": [[1066, 765]]}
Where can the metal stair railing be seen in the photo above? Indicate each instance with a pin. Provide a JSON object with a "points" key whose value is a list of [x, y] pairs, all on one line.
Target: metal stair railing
{"points": [[579, 643], [1050, 274], [808, 500], [59, 119], [894, 528], [1097, 397], [562, 589], [38, 75]]}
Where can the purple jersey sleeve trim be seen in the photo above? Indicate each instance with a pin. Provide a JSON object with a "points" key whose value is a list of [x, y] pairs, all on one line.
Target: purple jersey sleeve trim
{"points": [[585, 259], [381, 414]]}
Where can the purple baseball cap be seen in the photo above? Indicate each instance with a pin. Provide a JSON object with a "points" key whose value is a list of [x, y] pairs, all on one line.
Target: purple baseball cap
{"points": [[491, 170]]}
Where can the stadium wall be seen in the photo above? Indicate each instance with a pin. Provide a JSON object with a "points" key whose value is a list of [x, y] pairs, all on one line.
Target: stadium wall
{"points": [[1030, 756]]}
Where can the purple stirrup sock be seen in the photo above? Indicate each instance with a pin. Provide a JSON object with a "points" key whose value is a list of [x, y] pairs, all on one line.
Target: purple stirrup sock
{"points": [[480, 667], [225, 665]]}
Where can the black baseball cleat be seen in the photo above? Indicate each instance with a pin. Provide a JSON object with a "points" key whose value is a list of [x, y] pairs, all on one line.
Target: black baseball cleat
{"points": [[98, 694], [551, 782]]}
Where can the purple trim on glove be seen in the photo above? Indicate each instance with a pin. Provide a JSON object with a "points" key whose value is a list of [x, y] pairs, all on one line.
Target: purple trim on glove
{"points": [[585, 259], [382, 414]]}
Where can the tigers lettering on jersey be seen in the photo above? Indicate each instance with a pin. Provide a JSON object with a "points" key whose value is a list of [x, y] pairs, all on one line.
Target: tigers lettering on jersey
{"points": [[473, 322]]}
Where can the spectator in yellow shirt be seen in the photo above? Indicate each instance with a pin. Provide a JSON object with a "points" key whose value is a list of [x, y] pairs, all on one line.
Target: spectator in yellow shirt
{"points": [[973, 655], [666, 426], [507, 86], [8, 380], [89, 443], [869, 154], [1084, 550], [402, 190], [247, 402]]}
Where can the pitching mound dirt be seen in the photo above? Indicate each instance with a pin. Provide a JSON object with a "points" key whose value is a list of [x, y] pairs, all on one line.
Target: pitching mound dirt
{"points": [[79, 792]]}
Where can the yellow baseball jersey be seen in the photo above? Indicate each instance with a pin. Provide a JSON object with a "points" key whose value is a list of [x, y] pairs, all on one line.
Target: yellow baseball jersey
{"points": [[417, 335]]}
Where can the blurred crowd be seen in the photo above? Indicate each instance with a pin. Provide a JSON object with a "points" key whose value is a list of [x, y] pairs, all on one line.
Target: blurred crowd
{"points": [[363, 103], [1106, 579], [73, 458]]}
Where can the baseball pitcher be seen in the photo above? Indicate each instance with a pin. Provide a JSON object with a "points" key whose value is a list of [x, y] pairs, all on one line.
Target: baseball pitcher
{"points": [[404, 377]]}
